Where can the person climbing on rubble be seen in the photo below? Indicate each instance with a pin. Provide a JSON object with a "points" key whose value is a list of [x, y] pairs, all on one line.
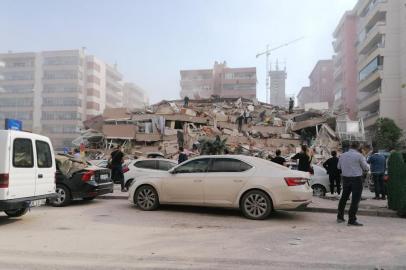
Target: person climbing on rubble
{"points": [[262, 116], [291, 104], [247, 116], [240, 120], [304, 160], [186, 102], [115, 164]]}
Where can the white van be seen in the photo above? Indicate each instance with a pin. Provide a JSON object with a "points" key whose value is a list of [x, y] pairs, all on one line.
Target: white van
{"points": [[27, 171]]}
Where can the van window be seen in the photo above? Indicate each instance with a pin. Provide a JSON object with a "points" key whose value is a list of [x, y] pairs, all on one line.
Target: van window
{"points": [[22, 153], [44, 156]]}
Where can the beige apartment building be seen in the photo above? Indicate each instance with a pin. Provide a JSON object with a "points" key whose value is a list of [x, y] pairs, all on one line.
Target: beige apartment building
{"points": [[221, 80], [53, 92], [278, 86], [134, 97], [381, 48]]}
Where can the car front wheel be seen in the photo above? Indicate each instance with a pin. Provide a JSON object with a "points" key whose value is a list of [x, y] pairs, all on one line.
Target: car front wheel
{"points": [[17, 212], [256, 204], [146, 198]]}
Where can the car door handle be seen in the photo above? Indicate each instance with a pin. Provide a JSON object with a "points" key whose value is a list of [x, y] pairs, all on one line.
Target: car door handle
{"points": [[237, 180], [40, 175], [197, 181]]}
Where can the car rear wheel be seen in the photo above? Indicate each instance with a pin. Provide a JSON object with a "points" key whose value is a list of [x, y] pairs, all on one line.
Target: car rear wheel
{"points": [[63, 196], [256, 204], [146, 198], [319, 191], [17, 212]]}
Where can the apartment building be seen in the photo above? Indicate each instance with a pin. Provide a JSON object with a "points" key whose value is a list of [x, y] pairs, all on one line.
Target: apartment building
{"points": [[305, 96], [114, 87], [278, 85], [381, 48], [134, 97], [345, 65], [221, 80], [321, 82], [53, 92]]}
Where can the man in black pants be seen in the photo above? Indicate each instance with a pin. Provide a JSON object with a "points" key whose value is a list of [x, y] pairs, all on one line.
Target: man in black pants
{"points": [[333, 172], [352, 164], [116, 161]]}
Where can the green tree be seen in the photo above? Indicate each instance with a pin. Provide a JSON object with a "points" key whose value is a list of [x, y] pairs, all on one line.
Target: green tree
{"points": [[387, 134]]}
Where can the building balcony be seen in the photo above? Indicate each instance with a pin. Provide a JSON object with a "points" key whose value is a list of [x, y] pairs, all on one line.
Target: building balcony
{"points": [[375, 12], [364, 60], [370, 119], [370, 102], [338, 73], [371, 82], [337, 45], [373, 39]]}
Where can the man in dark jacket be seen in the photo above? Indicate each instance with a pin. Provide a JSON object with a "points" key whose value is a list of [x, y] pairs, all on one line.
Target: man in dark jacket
{"points": [[378, 166], [116, 161], [333, 172], [278, 159]]}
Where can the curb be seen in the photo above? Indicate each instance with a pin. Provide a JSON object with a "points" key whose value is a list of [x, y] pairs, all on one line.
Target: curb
{"points": [[361, 212], [113, 197]]}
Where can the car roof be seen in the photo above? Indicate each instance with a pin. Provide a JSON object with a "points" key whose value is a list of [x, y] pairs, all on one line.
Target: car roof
{"points": [[162, 159]]}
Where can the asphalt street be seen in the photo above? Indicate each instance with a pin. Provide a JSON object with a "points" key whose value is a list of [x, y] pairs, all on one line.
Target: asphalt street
{"points": [[112, 234]]}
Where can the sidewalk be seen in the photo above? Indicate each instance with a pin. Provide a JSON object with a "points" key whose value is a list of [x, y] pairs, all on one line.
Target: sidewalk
{"points": [[367, 206], [328, 204]]}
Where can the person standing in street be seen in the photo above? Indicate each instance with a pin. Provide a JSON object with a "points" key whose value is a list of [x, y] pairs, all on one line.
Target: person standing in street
{"points": [[378, 166], [333, 172], [278, 159], [182, 155], [116, 161], [352, 165], [291, 104], [304, 159]]}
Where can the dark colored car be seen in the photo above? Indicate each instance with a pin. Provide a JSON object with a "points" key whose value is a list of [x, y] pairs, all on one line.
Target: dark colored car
{"points": [[77, 180]]}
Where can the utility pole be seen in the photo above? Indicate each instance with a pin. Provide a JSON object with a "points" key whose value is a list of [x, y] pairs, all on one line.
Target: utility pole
{"points": [[267, 54]]}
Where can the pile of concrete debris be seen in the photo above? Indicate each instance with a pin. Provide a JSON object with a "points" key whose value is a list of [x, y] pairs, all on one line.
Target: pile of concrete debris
{"points": [[257, 128]]}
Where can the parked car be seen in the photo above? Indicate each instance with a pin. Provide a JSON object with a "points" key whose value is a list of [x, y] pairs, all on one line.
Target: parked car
{"points": [[27, 171], [99, 163], [255, 186], [155, 155], [141, 167], [75, 179]]}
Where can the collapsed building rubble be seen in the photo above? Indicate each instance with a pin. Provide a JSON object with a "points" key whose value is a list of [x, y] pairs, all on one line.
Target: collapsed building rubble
{"points": [[249, 127]]}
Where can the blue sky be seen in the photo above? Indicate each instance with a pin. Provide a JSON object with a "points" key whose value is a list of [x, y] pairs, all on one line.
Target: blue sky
{"points": [[151, 40]]}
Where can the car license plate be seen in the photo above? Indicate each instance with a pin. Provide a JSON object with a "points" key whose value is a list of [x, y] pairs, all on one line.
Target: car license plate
{"points": [[37, 203], [104, 176]]}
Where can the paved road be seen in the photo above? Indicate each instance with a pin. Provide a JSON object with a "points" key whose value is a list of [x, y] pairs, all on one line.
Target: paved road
{"points": [[111, 234]]}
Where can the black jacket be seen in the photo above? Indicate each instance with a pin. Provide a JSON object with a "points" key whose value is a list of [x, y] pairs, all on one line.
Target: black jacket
{"points": [[331, 166]]}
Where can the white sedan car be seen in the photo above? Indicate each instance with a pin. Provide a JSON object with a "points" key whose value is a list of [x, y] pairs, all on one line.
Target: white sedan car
{"points": [[319, 181], [254, 185], [144, 167]]}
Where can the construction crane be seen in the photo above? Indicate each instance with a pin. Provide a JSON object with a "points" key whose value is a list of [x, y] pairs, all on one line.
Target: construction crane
{"points": [[268, 53]]}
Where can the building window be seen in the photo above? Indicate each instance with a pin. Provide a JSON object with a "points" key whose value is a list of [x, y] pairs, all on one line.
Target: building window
{"points": [[93, 79], [62, 60], [93, 92], [16, 115], [370, 68], [17, 88], [93, 66], [18, 76], [19, 62], [93, 105], [16, 102], [61, 116], [58, 88], [62, 75], [63, 102], [59, 129]]}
